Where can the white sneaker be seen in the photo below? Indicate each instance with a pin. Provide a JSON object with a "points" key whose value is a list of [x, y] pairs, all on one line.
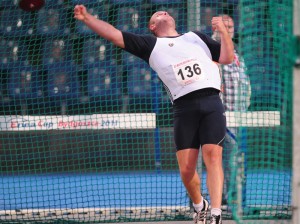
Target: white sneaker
{"points": [[200, 217]]}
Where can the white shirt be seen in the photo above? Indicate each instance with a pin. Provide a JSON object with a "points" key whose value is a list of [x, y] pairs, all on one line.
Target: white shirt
{"points": [[184, 64]]}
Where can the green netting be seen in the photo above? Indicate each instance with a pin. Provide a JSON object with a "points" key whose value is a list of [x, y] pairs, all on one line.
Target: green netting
{"points": [[267, 46], [86, 128]]}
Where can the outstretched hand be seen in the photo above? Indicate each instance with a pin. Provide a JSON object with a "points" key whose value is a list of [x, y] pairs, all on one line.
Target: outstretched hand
{"points": [[218, 24], [80, 12]]}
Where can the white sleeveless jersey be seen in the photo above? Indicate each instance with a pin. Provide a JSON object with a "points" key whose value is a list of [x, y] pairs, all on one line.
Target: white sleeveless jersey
{"points": [[184, 64]]}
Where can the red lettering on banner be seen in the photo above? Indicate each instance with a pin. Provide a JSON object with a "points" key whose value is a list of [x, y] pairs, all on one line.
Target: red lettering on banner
{"points": [[74, 124], [14, 124]]}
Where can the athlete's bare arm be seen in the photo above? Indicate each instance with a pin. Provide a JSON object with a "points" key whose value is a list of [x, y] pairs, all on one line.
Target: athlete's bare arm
{"points": [[102, 28], [227, 47]]}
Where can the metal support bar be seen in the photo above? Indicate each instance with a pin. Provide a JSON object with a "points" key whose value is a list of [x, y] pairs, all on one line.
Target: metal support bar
{"points": [[296, 147], [296, 117], [194, 23], [296, 17], [194, 16]]}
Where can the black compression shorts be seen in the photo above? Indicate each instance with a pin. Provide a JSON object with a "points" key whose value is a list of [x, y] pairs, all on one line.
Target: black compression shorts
{"points": [[199, 119]]}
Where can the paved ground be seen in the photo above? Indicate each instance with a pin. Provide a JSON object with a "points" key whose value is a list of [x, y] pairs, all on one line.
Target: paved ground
{"points": [[224, 222]]}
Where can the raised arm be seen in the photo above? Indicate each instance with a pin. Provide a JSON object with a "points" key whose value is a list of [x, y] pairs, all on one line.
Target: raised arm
{"points": [[102, 28], [227, 47]]}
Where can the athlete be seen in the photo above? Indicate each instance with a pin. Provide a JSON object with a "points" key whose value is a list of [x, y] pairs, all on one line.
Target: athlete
{"points": [[186, 64]]}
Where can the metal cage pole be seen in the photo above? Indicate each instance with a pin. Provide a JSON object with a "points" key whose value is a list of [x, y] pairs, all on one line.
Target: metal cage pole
{"points": [[296, 118], [194, 23]]}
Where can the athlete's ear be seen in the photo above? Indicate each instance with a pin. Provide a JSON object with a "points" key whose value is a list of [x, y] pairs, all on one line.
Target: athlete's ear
{"points": [[152, 27]]}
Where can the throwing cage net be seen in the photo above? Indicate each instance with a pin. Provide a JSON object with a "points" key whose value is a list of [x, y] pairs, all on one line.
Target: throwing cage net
{"points": [[86, 128]]}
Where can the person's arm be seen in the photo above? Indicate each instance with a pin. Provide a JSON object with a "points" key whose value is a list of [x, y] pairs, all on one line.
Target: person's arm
{"points": [[227, 47], [102, 28]]}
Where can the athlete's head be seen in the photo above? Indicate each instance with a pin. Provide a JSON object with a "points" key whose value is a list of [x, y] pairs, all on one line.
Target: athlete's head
{"points": [[229, 24], [161, 23]]}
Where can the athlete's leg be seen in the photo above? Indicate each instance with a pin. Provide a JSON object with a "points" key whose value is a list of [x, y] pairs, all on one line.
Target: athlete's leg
{"points": [[212, 156], [187, 161]]}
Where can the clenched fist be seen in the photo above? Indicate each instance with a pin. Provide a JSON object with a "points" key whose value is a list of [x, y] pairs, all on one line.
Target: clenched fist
{"points": [[218, 24], [80, 12]]}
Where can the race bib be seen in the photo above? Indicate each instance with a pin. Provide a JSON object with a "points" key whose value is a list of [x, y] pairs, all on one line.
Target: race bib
{"points": [[188, 71]]}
